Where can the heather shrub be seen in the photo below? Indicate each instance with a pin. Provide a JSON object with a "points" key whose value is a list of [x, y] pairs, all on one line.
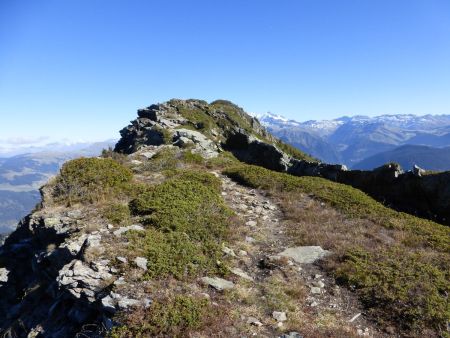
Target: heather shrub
{"points": [[89, 180]]}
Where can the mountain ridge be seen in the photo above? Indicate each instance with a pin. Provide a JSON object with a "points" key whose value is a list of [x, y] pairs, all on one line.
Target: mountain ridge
{"points": [[353, 139], [201, 224]]}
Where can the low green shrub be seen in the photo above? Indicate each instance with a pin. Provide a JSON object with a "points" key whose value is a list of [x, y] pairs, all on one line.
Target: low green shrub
{"points": [[166, 159], [224, 160], [118, 214], [166, 135], [192, 158], [89, 180], [403, 285], [198, 176], [118, 157], [187, 221], [174, 317], [173, 254]]}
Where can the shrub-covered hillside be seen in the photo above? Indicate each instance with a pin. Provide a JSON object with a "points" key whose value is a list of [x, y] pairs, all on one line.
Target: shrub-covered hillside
{"points": [[174, 236]]}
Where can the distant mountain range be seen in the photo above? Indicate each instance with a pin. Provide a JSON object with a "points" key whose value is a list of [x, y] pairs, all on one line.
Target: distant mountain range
{"points": [[21, 176], [351, 140], [437, 159]]}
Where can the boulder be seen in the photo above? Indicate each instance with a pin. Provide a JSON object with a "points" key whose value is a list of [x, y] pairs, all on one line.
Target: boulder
{"points": [[304, 254], [3, 275], [201, 144], [241, 273], [279, 316], [141, 263], [136, 227], [80, 279], [217, 283], [307, 168], [251, 150]]}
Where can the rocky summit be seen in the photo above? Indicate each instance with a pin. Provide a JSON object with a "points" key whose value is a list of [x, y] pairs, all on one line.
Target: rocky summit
{"points": [[200, 223]]}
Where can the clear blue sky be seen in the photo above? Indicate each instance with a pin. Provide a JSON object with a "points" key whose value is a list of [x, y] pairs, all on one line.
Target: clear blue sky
{"points": [[81, 68]]}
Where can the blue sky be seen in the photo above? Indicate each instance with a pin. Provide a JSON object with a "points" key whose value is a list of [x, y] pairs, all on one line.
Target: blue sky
{"points": [[79, 69]]}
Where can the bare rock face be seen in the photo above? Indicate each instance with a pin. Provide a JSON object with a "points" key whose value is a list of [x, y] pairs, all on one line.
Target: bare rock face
{"points": [[249, 149], [217, 283], [82, 280], [201, 144], [47, 287], [154, 126], [304, 254]]}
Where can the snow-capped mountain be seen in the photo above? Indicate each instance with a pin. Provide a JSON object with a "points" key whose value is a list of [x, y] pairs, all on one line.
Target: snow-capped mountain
{"points": [[351, 139], [274, 119]]}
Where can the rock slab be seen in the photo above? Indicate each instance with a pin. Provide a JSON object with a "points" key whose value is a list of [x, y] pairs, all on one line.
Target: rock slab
{"points": [[304, 254]]}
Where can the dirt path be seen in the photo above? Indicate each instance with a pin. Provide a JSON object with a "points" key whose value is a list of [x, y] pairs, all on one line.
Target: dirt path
{"points": [[269, 282]]}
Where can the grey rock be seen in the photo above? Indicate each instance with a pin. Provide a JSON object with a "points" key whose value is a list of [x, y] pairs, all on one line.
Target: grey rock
{"points": [[292, 334], [217, 283], [81, 279], [119, 232], [254, 151], [249, 239], [75, 214], [315, 290], [319, 284], [304, 254], [202, 145], [279, 316], [239, 272], [228, 251], [254, 321], [108, 304], [125, 303], [141, 263], [122, 259], [3, 275]]}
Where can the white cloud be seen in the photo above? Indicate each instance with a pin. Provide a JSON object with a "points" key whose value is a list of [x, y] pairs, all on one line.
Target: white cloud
{"points": [[23, 141]]}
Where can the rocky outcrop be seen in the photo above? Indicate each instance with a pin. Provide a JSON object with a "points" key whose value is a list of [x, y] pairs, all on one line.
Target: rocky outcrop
{"points": [[249, 149], [202, 145], [198, 125], [47, 289], [306, 168], [154, 126], [413, 191]]}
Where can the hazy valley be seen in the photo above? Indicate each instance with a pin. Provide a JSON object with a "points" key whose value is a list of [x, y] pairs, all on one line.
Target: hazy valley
{"points": [[21, 176]]}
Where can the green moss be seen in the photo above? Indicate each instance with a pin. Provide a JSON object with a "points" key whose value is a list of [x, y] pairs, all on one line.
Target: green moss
{"points": [[187, 221], [118, 214], [89, 180], [406, 288], [167, 317]]}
